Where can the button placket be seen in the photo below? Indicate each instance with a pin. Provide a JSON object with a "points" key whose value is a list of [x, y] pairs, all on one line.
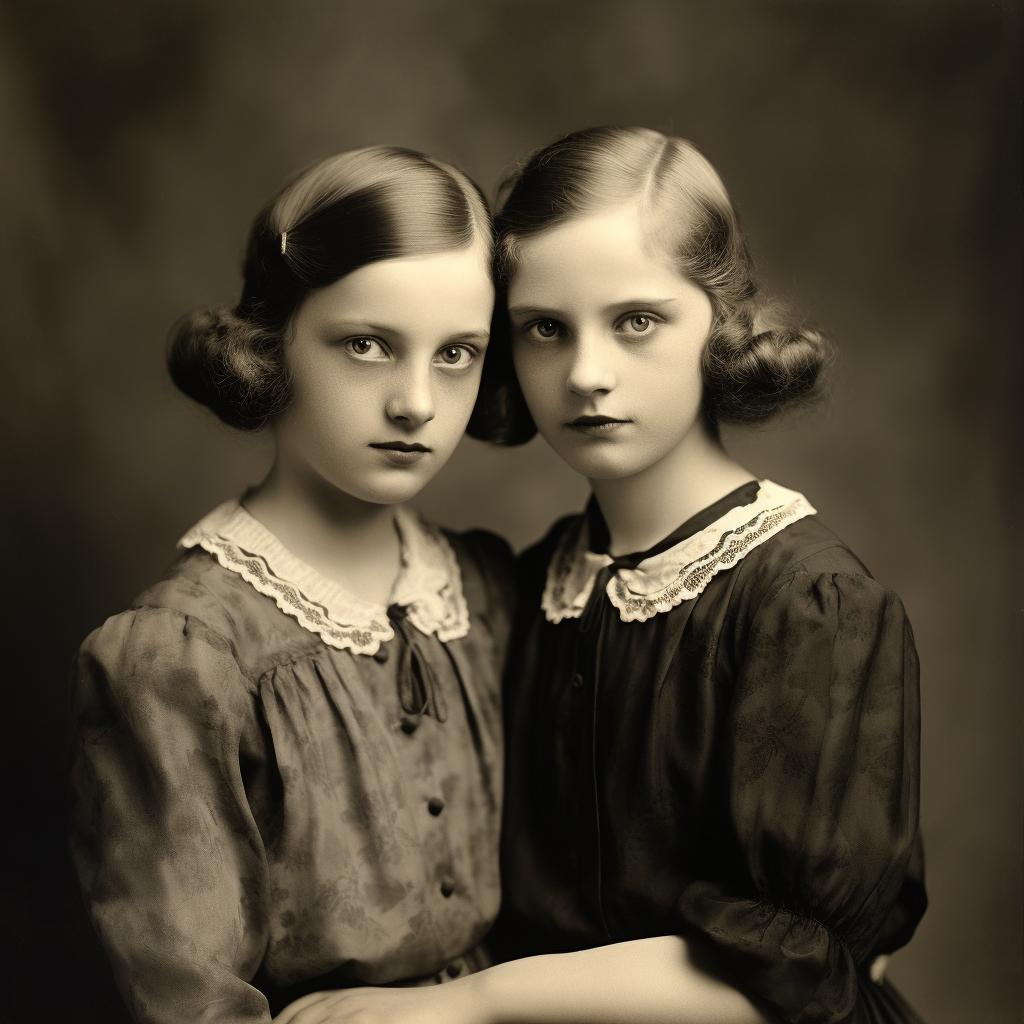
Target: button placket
{"points": [[440, 843], [583, 853]]}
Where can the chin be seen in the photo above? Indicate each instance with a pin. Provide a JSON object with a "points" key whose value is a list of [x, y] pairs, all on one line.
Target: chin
{"points": [[608, 464], [390, 489]]}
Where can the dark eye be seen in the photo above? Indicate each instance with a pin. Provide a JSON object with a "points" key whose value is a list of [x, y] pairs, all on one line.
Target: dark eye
{"points": [[458, 356], [639, 324], [546, 329], [366, 348]]}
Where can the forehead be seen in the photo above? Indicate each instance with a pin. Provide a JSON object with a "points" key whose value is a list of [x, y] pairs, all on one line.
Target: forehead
{"points": [[600, 251], [456, 283]]}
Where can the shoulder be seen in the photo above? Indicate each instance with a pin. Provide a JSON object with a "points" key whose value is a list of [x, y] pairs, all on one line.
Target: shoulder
{"points": [[157, 663], [806, 545], [806, 549], [196, 584], [198, 613], [805, 577]]}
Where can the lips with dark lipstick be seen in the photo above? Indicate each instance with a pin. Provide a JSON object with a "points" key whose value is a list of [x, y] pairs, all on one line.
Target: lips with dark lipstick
{"points": [[400, 446], [595, 424]]}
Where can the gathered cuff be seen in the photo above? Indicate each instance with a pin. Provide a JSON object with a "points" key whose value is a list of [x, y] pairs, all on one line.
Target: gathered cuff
{"points": [[794, 963]]}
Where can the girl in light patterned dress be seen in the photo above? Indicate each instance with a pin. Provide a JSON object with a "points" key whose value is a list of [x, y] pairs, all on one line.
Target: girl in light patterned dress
{"points": [[288, 774]]}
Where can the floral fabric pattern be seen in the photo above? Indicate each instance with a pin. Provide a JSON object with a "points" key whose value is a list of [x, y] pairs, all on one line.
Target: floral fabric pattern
{"points": [[257, 815]]}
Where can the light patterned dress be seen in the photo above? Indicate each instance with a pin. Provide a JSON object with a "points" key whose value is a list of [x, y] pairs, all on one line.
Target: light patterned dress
{"points": [[281, 788]]}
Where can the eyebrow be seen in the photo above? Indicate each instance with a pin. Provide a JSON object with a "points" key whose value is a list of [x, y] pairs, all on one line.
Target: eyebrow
{"points": [[615, 307], [471, 336], [370, 327]]}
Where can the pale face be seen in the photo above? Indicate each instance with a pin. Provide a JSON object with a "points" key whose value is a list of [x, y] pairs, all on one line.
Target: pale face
{"points": [[385, 366], [607, 343]]}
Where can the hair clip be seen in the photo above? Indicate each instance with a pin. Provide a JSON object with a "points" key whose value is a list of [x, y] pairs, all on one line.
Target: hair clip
{"points": [[284, 241]]}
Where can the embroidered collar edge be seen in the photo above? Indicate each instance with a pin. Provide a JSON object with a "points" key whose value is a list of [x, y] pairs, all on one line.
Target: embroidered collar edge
{"points": [[680, 573], [429, 583]]}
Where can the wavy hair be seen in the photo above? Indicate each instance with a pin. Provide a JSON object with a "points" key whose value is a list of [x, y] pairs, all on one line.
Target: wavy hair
{"points": [[759, 358]]}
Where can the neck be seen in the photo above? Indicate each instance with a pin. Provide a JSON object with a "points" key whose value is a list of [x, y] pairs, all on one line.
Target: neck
{"points": [[348, 540], [642, 509]]}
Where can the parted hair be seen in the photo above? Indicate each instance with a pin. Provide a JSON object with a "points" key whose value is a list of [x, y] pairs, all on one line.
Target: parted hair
{"points": [[759, 358], [341, 214]]}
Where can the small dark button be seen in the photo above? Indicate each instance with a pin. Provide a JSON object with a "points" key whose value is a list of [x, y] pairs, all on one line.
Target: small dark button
{"points": [[447, 887], [435, 805], [381, 655], [454, 970], [409, 724], [577, 681]]}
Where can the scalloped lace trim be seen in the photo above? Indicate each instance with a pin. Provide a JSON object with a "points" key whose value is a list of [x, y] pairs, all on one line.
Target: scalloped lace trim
{"points": [[679, 574], [429, 583]]}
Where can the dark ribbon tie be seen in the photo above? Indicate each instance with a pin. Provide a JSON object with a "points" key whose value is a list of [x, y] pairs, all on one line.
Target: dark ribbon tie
{"points": [[419, 688]]}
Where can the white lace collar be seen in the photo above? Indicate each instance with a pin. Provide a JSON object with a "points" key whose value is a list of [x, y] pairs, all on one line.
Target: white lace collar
{"points": [[429, 584], [663, 581]]}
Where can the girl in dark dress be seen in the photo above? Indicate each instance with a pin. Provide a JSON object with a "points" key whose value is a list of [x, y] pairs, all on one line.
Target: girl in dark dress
{"points": [[712, 707], [288, 773]]}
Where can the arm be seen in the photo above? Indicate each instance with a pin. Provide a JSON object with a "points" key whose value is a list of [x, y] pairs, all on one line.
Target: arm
{"points": [[169, 857], [822, 754], [645, 981]]}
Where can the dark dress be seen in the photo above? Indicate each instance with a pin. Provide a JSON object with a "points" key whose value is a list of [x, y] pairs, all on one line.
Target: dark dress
{"points": [[280, 788], [736, 763]]}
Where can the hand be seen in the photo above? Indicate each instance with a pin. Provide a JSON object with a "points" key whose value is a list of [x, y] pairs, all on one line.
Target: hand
{"points": [[451, 1003]]}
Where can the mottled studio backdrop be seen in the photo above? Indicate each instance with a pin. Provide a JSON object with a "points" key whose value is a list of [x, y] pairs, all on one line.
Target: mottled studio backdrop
{"points": [[872, 149]]}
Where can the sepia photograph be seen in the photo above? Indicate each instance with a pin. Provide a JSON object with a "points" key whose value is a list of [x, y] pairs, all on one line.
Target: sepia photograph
{"points": [[513, 511]]}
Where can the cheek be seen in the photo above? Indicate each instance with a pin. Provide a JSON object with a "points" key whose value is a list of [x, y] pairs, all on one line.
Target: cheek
{"points": [[330, 402], [666, 389], [454, 398], [675, 371], [540, 377]]}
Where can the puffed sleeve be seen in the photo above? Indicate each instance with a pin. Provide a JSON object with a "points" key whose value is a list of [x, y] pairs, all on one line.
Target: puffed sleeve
{"points": [[167, 852], [822, 754]]}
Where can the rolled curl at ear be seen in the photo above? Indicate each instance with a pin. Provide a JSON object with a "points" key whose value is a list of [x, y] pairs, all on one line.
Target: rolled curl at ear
{"points": [[758, 363], [234, 368]]}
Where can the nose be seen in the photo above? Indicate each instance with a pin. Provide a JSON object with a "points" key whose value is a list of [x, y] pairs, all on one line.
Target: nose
{"points": [[591, 370], [411, 403]]}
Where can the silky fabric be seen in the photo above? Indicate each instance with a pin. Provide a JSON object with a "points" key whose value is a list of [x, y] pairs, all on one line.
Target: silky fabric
{"points": [[741, 770], [258, 814]]}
